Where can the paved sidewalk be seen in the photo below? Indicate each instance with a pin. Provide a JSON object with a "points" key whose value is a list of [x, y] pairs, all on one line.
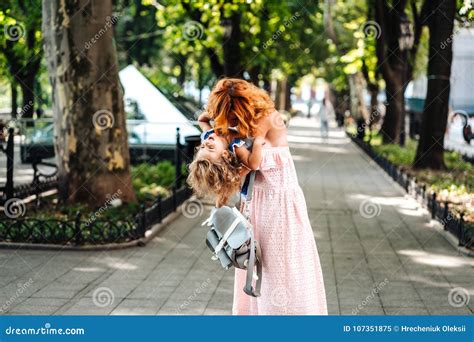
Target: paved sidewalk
{"points": [[378, 253]]}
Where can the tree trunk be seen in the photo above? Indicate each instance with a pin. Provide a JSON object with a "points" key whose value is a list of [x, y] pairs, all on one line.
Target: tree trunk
{"points": [[14, 99], [392, 122], [23, 75], [393, 65], [90, 133], [254, 73], [267, 86], [216, 65], [373, 88], [358, 108], [182, 69], [430, 151], [232, 60], [374, 107], [281, 93], [27, 86], [289, 85], [27, 77]]}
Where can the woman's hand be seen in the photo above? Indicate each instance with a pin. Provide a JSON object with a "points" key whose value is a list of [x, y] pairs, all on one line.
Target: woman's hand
{"points": [[244, 170], [204, 117], [204, 121]]}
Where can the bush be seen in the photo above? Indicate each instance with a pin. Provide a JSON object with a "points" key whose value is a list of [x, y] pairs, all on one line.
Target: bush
{"points": [[455, 185], [148, 181], [54, 223]]}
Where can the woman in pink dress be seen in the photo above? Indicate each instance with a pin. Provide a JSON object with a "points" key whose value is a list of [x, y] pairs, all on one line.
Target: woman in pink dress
{"points": [[292, 280]]}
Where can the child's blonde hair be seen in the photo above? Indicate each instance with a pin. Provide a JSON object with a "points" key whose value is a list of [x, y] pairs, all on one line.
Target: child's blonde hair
{"points": [[220, 178]]}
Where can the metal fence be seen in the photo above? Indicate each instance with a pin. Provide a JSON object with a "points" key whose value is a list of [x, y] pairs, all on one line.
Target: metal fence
{"points": [[41, 181], [440, 210], [79, 230]]}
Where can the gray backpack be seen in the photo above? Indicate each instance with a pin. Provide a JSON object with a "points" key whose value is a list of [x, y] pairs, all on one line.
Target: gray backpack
{"points": [[232, 241]]}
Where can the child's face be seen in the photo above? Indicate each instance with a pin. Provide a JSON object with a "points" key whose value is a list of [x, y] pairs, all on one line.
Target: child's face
{"points": [[212, 148]]}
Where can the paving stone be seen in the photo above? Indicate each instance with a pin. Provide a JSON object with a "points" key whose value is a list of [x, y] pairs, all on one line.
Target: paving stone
{"points": [[137, 307]]}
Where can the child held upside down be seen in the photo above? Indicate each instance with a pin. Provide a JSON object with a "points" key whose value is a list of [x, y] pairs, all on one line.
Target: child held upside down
{"points": [[221, 162]]}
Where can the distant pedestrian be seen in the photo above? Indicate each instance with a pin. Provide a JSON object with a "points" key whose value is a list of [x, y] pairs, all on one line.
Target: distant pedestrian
{"points": [[325, 111]]}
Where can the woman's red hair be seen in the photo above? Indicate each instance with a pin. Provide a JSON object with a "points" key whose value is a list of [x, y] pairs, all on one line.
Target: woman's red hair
{"points": [[233, 97]]}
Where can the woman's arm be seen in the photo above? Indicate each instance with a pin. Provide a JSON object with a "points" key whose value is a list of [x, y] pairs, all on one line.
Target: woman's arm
{"points": [[252, 159], [204, 121]]}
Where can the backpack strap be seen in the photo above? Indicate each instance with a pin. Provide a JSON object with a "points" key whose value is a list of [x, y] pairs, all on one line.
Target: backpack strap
{"points": [[255, 259], [250, 185], [249, 181]]}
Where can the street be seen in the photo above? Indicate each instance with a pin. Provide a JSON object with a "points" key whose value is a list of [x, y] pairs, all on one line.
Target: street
{"points": [[378, 252]]}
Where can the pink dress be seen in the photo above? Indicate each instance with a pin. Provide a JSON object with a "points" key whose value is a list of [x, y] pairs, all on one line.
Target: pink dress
{"points": [[292, 282]]}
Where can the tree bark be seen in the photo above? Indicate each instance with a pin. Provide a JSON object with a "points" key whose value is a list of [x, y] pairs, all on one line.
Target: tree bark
{"points": [[90, 133], [282, 93], [395, 109], [373, 88], [24, 75], [231, 48], [254, 72], [182, 69], [357, 84], [27, 86], [393, 65], [267, 86], [14, 99], [216, 65], [430, 151], [291, 79]]}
